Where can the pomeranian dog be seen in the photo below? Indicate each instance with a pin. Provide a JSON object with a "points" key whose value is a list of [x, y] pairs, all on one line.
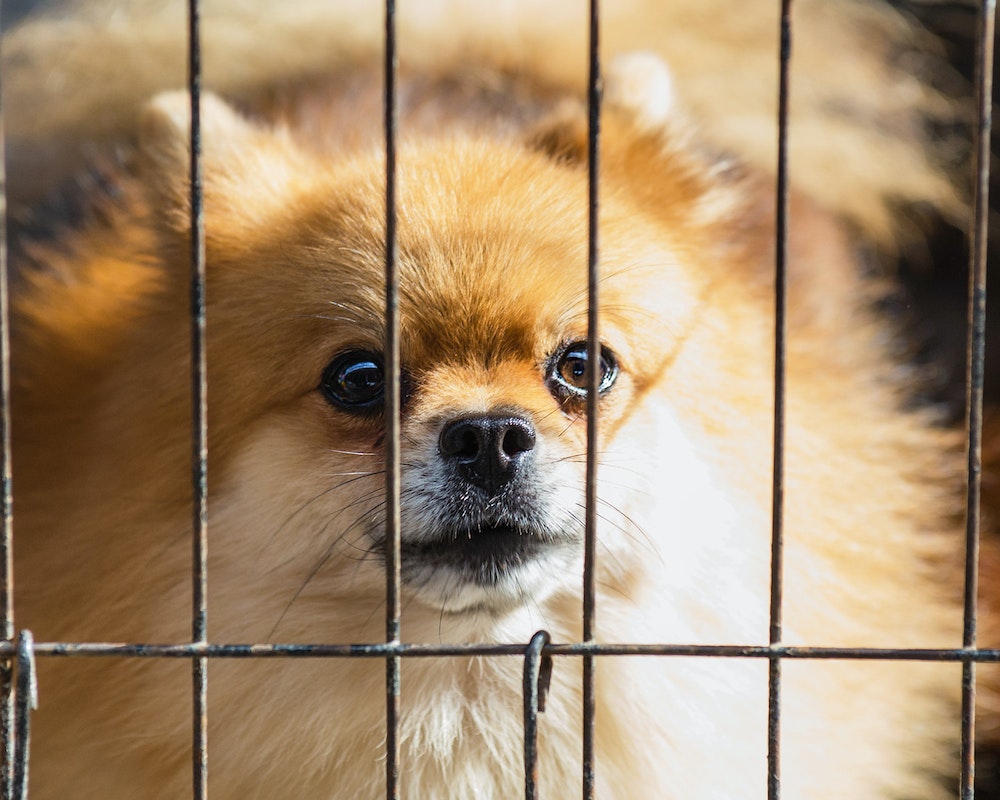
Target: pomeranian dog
{"points": [[492, 238]]}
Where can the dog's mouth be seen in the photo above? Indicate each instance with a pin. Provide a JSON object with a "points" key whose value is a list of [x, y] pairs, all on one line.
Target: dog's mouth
{"points": [[487, 552], [485, 567]]}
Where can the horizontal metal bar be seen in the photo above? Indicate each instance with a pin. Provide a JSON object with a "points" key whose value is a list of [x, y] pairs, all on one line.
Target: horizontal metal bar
{"points": [[381, 650]]}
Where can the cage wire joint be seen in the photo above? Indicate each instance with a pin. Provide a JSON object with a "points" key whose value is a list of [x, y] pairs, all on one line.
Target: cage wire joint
{"points": [[26, 701], [537, 677]]}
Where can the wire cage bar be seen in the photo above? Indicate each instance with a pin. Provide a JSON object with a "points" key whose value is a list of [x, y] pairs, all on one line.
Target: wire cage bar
{"points": [[976, 365], [575, 649], [537, 672], [593, 392], [7, 714], [18, 651], [199, 419], [392, 413], [26, 696], [778, 441]]}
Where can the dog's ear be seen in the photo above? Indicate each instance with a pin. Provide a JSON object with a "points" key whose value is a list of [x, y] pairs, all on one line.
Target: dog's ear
{"points": [[237, 155], [639, 85], [638, 99], [164, 152], [649, 148]]}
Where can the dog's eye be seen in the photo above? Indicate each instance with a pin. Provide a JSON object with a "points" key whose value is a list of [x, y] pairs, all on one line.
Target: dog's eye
{"points": [[354, 382], [568, 373]]}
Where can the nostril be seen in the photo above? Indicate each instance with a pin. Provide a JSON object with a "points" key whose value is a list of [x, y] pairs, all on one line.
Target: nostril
{"points": [[518, 438], [462, 440]]}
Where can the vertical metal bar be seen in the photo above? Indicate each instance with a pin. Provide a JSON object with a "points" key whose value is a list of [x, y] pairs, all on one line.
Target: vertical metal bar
{"points": [[6, 494], [199, 418], [535, 680], [976, 350], [27, 701], [392, 421], [593, 392], [778, 474]]}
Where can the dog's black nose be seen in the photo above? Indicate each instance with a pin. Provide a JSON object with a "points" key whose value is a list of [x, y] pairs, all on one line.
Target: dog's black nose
{"points": [[487, 450]]}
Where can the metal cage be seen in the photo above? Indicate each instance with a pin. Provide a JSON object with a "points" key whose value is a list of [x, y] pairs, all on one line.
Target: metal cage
{"points": [[18, 650]]}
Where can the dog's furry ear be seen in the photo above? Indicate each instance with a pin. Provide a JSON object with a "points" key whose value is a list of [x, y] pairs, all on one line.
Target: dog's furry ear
{"points": [[237, 155], [638, 94], [648, 147], [640, 85], [165, 143]]}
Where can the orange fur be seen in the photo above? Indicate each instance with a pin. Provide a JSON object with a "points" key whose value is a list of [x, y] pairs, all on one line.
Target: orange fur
{"points": [[492, 251]]}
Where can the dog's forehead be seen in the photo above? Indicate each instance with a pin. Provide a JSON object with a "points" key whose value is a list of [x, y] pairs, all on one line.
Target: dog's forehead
{"points": [[492, 258], [492, 252], [488, 303]]}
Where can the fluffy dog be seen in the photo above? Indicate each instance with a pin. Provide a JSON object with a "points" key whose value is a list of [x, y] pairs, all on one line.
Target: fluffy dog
{"points": [[492, 250]]}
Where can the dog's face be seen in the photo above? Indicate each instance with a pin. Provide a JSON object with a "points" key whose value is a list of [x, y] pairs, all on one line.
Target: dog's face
{"points": [[493, 303]]}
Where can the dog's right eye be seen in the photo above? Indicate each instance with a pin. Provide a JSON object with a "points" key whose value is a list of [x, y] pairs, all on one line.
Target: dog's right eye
{"points": [[354, 382], [569, 372]]}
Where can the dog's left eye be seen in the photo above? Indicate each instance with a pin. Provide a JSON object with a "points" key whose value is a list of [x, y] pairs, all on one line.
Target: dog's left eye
{"points": [[568, 371], [354, 382]]}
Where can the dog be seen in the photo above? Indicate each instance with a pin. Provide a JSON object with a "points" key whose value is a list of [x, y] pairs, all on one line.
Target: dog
{"points": [[492, 241]]}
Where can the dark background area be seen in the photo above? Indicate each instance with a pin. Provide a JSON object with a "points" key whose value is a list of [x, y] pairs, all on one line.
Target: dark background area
{"points": [[13, 10]]}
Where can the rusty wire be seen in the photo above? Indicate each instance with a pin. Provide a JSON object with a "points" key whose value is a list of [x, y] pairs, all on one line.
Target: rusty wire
{"points": [[593, 395], [537, 673], [975, 372], [778, 445], [199, 420], [392, 412], [7, 710], [22, 651]]}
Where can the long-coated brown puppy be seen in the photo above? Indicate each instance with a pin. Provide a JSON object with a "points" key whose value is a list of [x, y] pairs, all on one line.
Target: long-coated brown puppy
{"points": [[492, 251]]}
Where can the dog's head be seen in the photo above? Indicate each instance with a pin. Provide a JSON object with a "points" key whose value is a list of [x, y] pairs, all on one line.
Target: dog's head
{"points": [[492, 253]]}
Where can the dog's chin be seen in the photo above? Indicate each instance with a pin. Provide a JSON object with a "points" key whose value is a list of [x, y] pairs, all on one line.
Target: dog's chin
{"points": [[489, 569]]}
